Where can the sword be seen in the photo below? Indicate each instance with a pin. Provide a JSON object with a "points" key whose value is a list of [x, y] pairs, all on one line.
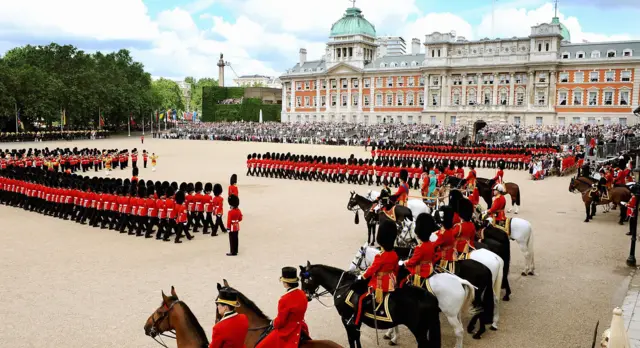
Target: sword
{"points": [[375, 319]]}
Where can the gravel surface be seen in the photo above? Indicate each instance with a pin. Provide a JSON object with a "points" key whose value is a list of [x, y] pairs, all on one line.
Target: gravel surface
{"points": [[67, 285]]}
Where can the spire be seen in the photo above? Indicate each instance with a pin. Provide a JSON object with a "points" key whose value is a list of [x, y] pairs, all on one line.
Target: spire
{"points": [[555, 8], [353, 3]]}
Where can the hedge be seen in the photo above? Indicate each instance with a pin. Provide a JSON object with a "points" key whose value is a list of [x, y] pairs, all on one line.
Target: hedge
{"points": [[249, 110]]}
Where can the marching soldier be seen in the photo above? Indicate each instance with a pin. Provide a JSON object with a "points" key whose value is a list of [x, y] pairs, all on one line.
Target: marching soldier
{"points": [[218, 209], [234, 217], [233, 187], [154, 161], [145, 156]]}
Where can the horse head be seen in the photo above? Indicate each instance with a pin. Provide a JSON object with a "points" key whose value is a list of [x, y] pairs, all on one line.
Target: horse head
{"points": [[160, 321], [352, 201], [309, 283]]}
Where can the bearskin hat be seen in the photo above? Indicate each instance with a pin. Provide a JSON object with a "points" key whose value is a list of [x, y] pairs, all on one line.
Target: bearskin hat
{"points": [[150, 191], [198, 186], [142, 192], [233, 180], [142, 183], [501, 164], [179, 197], [259, 156], [217, 190], [425, 225], [387, 233], [174, 186], [465, 209], [446, 216], [160, 191], [208, 187], [170, 192], [183, 186], [126, 182], [234, 201], [249, 156], [404, 175], [135, 171], [455, 196]]}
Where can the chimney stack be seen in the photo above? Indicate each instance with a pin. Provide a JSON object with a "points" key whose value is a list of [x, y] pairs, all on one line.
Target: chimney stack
{"points": [[303, 56], [415, 46]]}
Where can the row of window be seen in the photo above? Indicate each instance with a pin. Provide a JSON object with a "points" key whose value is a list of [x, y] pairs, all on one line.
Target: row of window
{"points": [[594, 76], [389, 82], [594, 97], [390, 99], [596, 54], [433, 120]]}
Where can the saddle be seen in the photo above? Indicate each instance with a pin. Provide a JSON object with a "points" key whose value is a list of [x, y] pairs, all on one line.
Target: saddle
{"points": [[303, 335], [381, 311], [504, 226]]}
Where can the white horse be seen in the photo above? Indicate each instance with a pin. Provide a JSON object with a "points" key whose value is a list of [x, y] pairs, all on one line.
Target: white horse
{"points": [[522, 233], [454, 293], [417, 206]]}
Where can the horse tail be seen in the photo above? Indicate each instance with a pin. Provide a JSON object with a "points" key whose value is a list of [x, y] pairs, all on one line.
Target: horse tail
{"points": [[469, 294], [530, 247], [517, 197], [497, 287], [488, 304]]}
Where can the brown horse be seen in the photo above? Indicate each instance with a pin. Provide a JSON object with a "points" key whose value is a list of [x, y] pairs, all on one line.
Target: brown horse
{"points": [[485, 189], [259, 322], [591, 196], [175, 316]]}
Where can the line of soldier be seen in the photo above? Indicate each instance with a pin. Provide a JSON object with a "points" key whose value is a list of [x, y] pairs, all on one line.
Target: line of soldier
{"points": [[134, 205], [482, 157], [72, 160], [53, 135], [352, 170]]}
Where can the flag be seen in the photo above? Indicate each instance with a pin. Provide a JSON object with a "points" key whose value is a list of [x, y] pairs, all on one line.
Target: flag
{"points": [[195, 114], [157, 117], [20, 124], [101, 120], [64, 117], [162, 116], [133, 123]]}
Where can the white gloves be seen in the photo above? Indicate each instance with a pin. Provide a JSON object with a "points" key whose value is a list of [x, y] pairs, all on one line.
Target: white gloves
{"points": [[400, 263], [623, 203], [360, 277]]}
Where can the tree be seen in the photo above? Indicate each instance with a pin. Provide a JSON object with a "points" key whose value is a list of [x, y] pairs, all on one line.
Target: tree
{"points": [[167, 95], [196, 92], [45, 80]]}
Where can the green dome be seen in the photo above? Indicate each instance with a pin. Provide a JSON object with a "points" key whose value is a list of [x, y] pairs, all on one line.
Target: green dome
{"points": [[566, 35], [353, 23]]}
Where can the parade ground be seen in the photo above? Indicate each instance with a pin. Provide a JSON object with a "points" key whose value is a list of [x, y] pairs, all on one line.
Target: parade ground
{"points": [[71, 285]]}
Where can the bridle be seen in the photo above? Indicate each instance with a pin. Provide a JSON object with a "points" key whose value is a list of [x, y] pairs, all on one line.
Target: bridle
{"points": [[575, 187], [155, 330], [360, 259], [316, 295]]}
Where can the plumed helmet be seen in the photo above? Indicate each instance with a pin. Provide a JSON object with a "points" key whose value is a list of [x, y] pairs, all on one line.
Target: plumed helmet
{"points": [[179, 197], [234, 201], [217, 190], [208, 187], [404, 175], [455, 196], [233, 180], [425, 225], [499, 188], [446, 216], [465, 209], [387, 233]]}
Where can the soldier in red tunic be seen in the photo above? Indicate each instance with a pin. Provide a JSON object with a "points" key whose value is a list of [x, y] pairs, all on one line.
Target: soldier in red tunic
{"points": [[466, 236], [289, 326], [446, 237], [180, 214], [420, 265], [218, 210], [498, 205], [207, 208], [233, 188], [402, 194], [231, 330], [382, 273], [145, 157], [234, 217]]}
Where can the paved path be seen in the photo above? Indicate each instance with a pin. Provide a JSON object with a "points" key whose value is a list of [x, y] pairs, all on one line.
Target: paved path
{"points": [[631, 311]]}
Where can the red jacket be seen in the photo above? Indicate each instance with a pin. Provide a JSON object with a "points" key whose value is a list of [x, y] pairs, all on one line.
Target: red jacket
{"points": [[289, 323], [465, 237], [233, 220], [631, 206], [475, 197], [233, 190], [230, 331], [421, 263], [207, 202], [497, 208], [383, 271], [218, 205]]}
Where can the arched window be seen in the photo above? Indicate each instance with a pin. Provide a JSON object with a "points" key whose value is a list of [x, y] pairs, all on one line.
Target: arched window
{"points": [[410, 99], [383, 65], [595, 54], [400, 99], [414, 63], [403, 64], [394, 64], [471, 96]]}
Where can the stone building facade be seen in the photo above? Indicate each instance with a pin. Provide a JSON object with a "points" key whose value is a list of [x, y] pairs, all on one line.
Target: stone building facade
{"points": [[540, 79]]}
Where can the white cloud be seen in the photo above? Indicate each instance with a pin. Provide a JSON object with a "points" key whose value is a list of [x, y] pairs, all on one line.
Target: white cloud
{"points": [[94, 19], [262, 38]]}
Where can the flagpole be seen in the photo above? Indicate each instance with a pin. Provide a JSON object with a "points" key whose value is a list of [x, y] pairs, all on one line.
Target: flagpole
{"points": [[99, 117], [142, 124], [16, 103], [152, 123], [129, 125]]}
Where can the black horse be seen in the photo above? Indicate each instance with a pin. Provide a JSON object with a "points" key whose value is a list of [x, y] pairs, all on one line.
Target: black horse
{"points": [[358, 202], [498, 242], [410, 306]]}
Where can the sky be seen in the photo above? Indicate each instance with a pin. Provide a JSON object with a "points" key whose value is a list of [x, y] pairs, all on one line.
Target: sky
{"points": [[178, 38]]}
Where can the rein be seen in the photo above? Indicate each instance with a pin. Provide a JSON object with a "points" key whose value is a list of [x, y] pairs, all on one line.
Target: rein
{"points": [[316, 295], [154, 328]]}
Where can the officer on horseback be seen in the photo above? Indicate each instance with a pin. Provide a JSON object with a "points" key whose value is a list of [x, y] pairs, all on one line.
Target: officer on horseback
{"points": [[420, 265], [497, 207], [402, 194], [382, 273], [466, 236]]}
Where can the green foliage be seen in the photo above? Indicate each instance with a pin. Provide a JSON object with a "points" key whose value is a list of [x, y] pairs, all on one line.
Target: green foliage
{"points": [[167, 95], [44, 80], [196, 90], [249, 110]]}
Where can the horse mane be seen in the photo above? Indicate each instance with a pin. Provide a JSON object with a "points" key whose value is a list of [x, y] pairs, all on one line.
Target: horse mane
{"points": [[251, 305], [192, 321], [335, 270]]}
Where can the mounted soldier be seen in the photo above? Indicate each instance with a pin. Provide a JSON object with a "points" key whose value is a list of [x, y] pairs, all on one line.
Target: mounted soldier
{"points": [[497, 207], [402, 194]]}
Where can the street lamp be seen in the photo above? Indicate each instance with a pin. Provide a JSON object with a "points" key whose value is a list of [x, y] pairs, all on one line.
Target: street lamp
{"points": [[633, 221]]}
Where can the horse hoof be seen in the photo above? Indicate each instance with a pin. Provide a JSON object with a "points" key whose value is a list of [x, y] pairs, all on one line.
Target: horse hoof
{"points": [[386, 337], [477, 336], [524, 274], [493, 328], [531, 273], [391, 343], [470, 328], [505, 298]]}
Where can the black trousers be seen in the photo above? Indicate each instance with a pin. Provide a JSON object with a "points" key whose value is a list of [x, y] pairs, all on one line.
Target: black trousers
{"points": [[218, 223], [233, 243], [153, 221], [208, 222], [163, 225], [181, 227]]}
